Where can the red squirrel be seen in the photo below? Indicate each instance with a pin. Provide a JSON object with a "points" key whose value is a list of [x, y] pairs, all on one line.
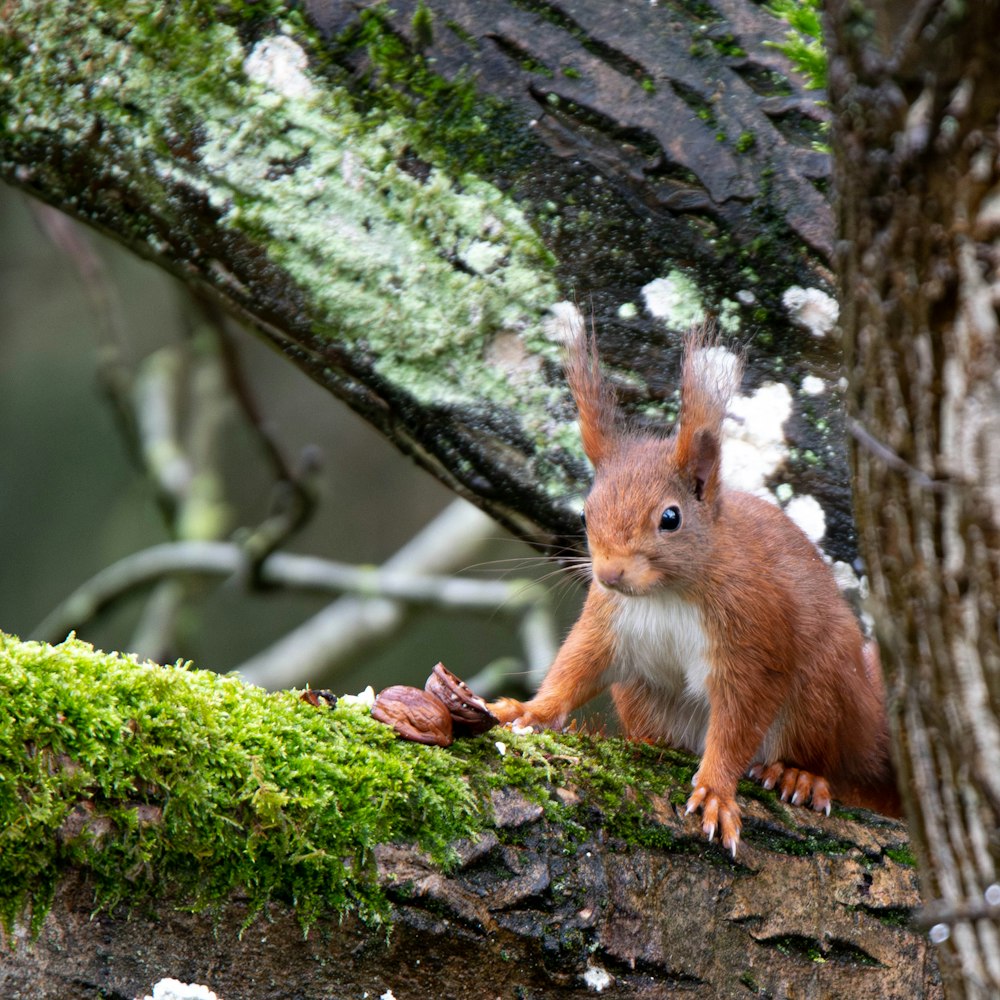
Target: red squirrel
{"points": [[712, 616]]}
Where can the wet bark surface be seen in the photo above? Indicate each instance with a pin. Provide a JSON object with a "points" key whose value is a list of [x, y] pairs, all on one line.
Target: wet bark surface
{"points": [[811, 907]]}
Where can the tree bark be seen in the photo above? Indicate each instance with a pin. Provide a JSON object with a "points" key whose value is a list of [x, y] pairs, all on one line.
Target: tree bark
{"points": [[917, 101], [532, 918], [398, 198]]}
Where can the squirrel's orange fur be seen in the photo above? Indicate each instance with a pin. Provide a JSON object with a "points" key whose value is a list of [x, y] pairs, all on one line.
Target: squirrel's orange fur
{"points": [[712, 617]]}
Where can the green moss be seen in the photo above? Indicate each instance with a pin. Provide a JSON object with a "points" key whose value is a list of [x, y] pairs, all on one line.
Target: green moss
{"points": [[727, 46], [803, 42], [892, 916], [422, 24], [169, 780], [902, 856], [149, 776]]}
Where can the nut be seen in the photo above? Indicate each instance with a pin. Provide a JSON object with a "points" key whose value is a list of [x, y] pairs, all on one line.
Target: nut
{"points": [[414, 714], [470, 714], [316, 698]]}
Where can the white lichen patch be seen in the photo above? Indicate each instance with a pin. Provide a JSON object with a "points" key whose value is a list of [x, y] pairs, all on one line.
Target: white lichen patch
{"points": [[482, 256], [563, 322], [597, 978], [729, 316], [755, 446], [628, 310], [507, 351], [784, 492], [812, 385], [416, 269], [812, 309], [173, 989], [675, 299], [279, 63], [809, 515]]}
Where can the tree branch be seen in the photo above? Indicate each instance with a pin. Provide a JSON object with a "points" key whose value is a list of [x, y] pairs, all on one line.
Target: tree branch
{"points": [[193, 559]]}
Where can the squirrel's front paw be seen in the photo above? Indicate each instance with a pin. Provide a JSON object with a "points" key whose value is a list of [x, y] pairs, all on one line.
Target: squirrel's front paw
{"points": [[523, 715], [720, 814], [506, 709]]}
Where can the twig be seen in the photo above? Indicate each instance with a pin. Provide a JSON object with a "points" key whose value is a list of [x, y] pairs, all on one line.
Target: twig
{"points": [[295, 494], [192, 559], [894, 461], [345, 629], [942, 911]]}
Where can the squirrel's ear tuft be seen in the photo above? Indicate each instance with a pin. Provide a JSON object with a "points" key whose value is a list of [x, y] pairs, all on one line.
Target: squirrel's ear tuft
{"points": [[711, 375], [595, 400]]}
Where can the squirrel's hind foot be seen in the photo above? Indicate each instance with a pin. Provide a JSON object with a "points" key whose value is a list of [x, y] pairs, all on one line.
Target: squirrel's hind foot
{"points": [[794, 785], [719, 813]]}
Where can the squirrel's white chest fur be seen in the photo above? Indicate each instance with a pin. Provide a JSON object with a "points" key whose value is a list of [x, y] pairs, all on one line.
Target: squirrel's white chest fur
{"points": [[661, 641]]}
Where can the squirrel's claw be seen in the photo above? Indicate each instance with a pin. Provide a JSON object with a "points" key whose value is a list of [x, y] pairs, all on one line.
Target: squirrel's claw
{"points": [[794, 785], [720, 814]]}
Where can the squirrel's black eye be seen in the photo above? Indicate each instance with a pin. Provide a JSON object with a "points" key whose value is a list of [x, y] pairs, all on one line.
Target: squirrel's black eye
{"points": [[670, 519]]}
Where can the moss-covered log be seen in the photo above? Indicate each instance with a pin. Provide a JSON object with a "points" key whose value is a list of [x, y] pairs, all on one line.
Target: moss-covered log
{"points": [[207, 823], [403, 197]]}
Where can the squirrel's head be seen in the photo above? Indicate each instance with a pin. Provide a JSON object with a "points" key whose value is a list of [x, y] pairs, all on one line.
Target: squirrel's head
{"points": [[650, 513]]}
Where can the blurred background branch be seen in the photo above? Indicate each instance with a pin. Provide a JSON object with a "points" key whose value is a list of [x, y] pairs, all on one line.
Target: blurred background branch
{"points": [[202, 438]]}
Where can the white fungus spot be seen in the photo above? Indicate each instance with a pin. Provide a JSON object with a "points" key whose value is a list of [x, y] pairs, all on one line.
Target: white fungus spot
{"points": [[992, 894], [279, 64], [387, 996], [597, 978], [808, 514], [501, 748], [813, 386], [812, 309], [628, 310], [173, 989]]}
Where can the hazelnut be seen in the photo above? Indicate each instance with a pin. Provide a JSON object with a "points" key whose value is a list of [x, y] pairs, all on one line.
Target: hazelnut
{"points": [[470, 714], [414, 714]]}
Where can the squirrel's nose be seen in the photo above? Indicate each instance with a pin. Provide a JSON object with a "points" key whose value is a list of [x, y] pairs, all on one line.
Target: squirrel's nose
{"points": [[609, 575]]}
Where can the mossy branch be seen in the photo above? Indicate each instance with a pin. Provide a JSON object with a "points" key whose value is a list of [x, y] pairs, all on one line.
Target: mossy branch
{"points": [[405, 197], [145, 791]]}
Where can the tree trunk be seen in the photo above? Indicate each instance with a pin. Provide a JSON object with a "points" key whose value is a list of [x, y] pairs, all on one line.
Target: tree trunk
{"points": [[917, 100], [404, 199]]}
